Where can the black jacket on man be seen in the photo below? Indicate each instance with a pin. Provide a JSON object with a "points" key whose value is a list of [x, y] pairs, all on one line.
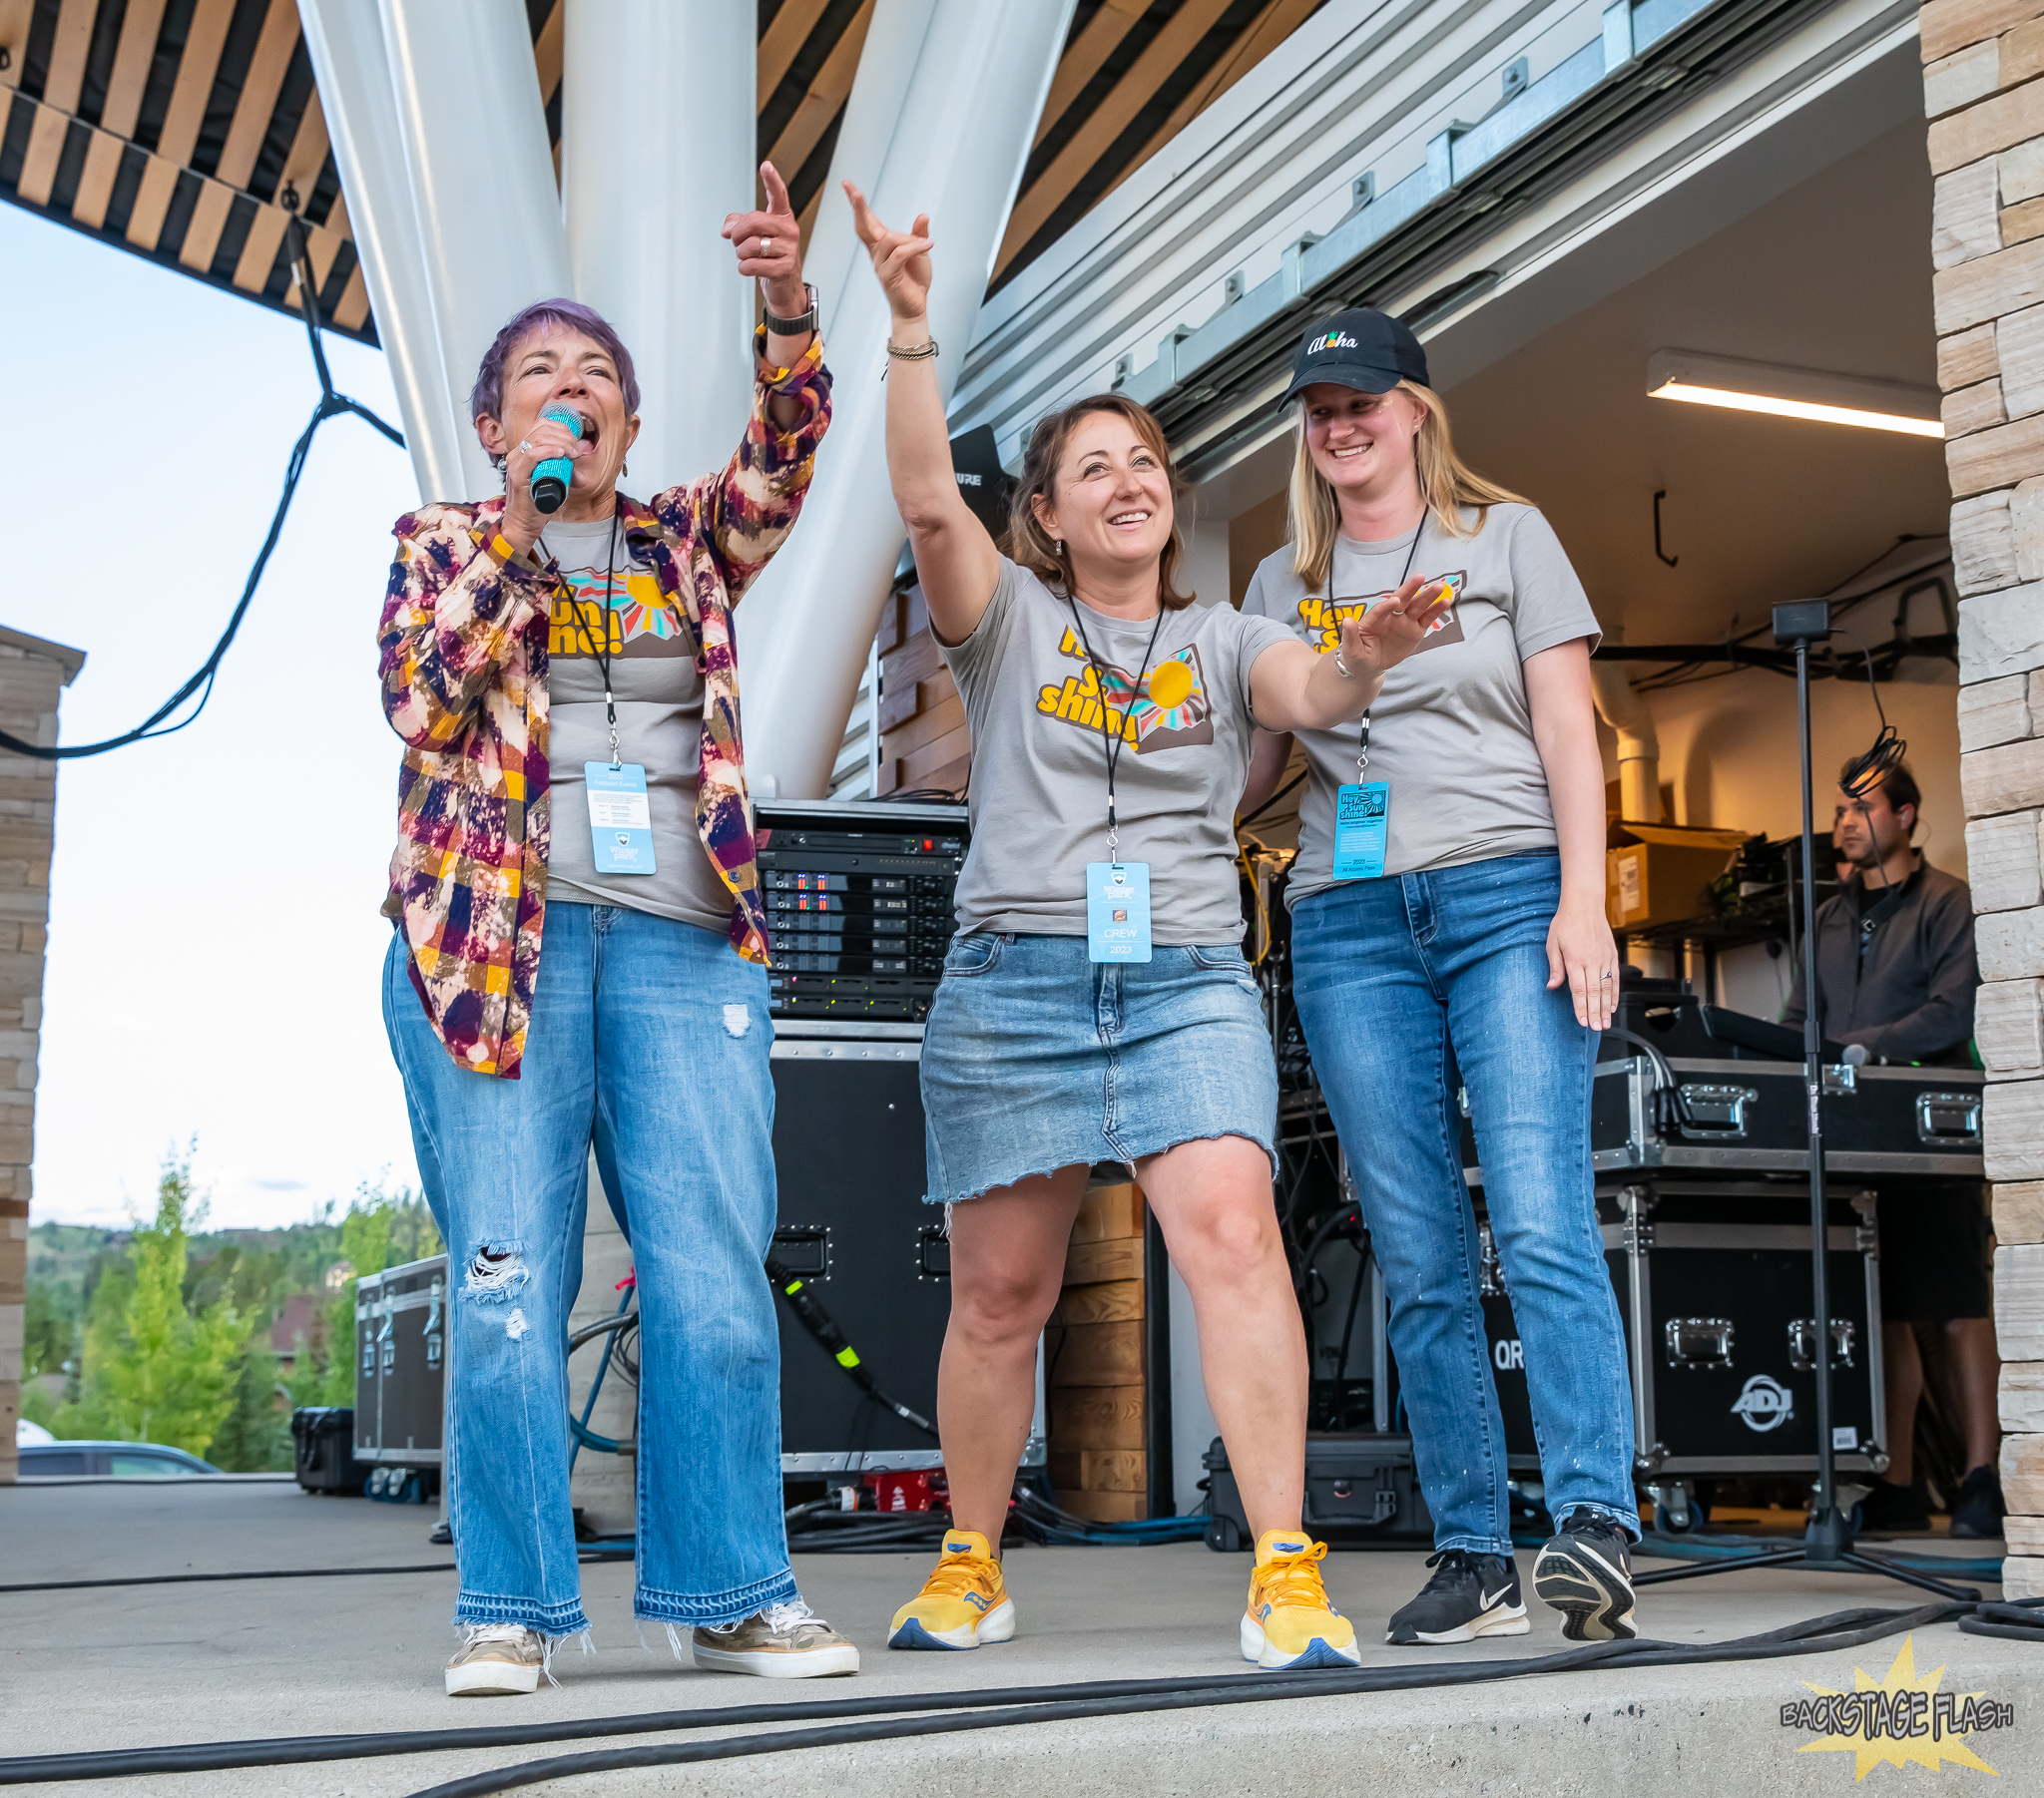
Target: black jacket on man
{"points": [[1909, 996]]}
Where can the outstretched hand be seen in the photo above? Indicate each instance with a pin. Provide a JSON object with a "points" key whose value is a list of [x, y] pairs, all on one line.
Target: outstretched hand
{"points": [[770, 246], [900, 258], [1392, 628]]}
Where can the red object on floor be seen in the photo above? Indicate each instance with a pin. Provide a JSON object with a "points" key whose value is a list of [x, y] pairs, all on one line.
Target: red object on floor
{"points": [[928, 1491]]}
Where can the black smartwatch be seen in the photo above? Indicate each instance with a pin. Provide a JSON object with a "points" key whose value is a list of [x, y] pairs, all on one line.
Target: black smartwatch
{"points": [[801, 323]]}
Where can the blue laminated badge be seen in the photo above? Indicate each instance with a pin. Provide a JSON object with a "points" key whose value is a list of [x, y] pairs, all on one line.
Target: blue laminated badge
{"points": [[620, 820], [1362, 818], [1118, 911]]}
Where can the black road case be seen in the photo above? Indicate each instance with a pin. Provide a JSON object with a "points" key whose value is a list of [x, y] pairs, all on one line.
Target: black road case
{"points": [[1359, 1487], [848, 1157], [1741, 1116], [1712, 1280], [402, 1363], [323, 1438]]}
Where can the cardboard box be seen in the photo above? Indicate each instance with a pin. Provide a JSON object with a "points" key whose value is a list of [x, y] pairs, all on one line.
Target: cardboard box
{"points": [[1660, 873]]}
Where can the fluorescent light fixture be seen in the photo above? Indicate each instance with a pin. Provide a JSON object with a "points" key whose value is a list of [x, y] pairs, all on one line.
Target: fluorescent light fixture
{"points": [[1794, 392]]}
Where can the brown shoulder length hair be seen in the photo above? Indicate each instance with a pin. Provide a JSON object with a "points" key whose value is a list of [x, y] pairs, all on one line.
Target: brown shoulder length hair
{"points": [[1447, 484], [1034, 547]]}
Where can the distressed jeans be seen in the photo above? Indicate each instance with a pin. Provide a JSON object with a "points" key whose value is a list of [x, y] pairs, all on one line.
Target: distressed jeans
{"points": [[649, 1039], [1393, 977]]}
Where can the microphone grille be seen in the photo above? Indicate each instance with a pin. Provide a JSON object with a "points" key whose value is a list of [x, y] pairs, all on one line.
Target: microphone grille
{"points": [[568, 416]]}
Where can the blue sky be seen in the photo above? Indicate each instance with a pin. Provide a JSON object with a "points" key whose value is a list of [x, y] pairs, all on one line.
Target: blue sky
{"points": [[214, 943]]}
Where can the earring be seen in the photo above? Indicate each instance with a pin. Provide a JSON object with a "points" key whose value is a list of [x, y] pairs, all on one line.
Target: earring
{"points": [[1061, 546], [623, 468]]}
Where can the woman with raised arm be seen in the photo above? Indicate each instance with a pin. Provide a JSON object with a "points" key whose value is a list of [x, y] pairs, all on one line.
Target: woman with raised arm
{"points": [[578, 964], [1448, 910], [1096, 1006]]}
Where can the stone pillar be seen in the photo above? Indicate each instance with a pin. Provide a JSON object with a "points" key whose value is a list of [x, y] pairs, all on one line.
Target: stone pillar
{"points": [[1983, 86], [33, 674]]}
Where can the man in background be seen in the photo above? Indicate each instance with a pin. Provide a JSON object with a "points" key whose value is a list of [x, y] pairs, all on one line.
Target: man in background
{"points": [[1896, 976]]}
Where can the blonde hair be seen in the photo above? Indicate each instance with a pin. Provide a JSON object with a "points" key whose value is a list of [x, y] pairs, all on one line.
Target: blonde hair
{"points": [[1034, 547], [1446, 483]]}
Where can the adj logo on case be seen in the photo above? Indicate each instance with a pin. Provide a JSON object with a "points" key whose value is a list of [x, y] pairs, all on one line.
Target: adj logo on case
{"points": [[1764, 1403]]}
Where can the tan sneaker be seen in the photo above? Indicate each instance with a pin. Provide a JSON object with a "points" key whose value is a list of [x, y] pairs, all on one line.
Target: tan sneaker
{"points": [[784, 1641], [496, 1659]]}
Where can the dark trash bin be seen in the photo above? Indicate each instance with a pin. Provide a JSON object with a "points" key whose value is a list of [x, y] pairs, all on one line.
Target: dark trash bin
{"points": [[323, 1437]]}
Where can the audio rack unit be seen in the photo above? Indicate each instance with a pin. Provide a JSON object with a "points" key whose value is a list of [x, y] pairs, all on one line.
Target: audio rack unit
{"points": [[858, 900]]}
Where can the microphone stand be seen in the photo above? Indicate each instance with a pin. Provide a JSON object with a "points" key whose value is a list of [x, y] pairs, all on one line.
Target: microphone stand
{"points": [[1829, 1544]]}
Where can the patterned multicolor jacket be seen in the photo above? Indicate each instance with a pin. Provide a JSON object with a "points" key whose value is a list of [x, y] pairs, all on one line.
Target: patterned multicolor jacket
{"points": [[464, 669]]}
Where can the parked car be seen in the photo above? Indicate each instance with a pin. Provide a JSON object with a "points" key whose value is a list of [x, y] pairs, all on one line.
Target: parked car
{"points": [[122, 1460]]}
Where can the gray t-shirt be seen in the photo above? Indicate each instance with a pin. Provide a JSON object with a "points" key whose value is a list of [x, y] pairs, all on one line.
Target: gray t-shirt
{"points": [[660, 720], [1452, 733], [1039, 765]]}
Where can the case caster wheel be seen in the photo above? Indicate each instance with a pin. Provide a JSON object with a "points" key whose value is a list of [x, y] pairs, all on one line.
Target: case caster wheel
{"points": [[1224, 1537]]}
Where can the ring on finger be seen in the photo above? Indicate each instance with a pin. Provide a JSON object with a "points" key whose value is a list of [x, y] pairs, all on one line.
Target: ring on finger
{"points": [[524, 446]]}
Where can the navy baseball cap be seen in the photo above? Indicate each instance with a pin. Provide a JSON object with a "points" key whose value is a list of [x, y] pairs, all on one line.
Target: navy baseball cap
{"points": [[1361, 348]]}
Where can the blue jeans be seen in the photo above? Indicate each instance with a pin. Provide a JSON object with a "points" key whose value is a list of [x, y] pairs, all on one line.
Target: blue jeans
{"points": [[1391, 976], [650, 1038]]}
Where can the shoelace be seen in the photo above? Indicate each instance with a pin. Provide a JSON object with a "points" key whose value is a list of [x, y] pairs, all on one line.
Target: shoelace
{"points": [[789, 1614], [957, 1575], [1295, 1580], [472, 1633], [1453, 1565]]}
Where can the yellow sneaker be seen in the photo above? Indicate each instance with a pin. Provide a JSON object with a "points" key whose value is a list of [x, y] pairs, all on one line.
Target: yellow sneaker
{"points": [[1289, 1623], [962, 1604]]}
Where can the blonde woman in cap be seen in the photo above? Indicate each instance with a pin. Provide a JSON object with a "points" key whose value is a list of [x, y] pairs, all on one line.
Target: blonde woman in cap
{"points": [[1448, 902]]}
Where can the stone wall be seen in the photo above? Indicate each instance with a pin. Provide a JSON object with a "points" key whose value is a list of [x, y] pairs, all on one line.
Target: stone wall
{"points": [[33, 674], [1983, 86]]}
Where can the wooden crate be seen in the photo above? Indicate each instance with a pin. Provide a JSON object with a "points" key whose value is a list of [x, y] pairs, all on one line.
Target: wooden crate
{"points": [[1098, 1376]]}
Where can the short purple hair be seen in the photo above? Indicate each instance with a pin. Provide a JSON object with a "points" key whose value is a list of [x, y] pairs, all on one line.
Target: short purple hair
{"points": [[486, 397]]}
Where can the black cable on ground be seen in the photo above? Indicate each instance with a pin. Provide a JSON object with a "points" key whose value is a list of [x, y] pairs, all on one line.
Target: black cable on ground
{"points": [[331, 406], [287, 1573], [993, 1709]]}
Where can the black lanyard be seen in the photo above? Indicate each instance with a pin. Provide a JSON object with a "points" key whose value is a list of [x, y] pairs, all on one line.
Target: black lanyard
{"points": [[1113, 739], [1363, 747], [603, 654]]}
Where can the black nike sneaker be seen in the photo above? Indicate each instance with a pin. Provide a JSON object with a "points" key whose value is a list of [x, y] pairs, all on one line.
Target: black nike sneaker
{"points": [[1585, 1573], [1469, 1595]]}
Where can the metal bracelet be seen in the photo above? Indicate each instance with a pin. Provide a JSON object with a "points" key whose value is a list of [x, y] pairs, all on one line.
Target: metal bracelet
{"points": [[918, 352], [1347, 672]]}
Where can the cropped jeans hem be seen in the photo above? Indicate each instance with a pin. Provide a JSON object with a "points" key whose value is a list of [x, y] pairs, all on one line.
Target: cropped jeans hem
{"points": [[555, 1622], [707, 1611]]}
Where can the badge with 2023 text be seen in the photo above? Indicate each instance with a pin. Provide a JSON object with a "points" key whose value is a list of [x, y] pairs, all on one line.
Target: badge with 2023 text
{"points": [[619, 817], [1118, 911], [1363, 820]]}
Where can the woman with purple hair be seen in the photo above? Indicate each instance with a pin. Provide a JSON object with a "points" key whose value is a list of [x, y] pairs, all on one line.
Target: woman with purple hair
{"points": [[579, 961]]}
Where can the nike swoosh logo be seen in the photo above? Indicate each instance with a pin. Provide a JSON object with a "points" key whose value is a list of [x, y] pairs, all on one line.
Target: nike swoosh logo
{"points": [[1490, 1599]]}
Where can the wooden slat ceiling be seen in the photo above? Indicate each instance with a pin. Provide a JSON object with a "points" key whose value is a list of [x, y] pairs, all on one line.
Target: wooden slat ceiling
{"points": [[172, 129]]}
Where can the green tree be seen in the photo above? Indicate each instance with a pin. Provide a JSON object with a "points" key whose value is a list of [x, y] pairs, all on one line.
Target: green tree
{"points": [[156, 1370], [255, 1437]]}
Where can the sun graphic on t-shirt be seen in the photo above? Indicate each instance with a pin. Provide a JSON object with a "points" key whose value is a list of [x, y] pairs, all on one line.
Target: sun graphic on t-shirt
{"points": [[1177, 701]]}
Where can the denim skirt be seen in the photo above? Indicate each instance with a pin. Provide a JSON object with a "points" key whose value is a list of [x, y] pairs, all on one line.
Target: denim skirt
{"points": [[1035, 1058]]}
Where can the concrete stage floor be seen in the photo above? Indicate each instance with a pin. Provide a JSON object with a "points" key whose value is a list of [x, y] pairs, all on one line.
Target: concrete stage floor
{"points": [[153, 1665]]}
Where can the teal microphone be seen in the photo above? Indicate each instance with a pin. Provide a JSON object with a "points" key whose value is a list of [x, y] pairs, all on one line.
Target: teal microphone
{"points": [[550, 478]]}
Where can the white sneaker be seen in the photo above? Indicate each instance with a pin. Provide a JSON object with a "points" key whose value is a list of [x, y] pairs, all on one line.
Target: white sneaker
{"points": [[496, 1659], [784, 1641]]}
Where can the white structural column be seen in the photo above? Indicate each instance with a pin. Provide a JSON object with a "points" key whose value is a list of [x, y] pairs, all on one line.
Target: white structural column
{"points": [[474, 135], [964, 117], [658, 130], [344, 39]]}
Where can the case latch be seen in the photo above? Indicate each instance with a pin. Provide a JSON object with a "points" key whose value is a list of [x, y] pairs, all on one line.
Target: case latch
{"points": [[1715, 1114], [1803, 1343], [1699, 1341]]}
